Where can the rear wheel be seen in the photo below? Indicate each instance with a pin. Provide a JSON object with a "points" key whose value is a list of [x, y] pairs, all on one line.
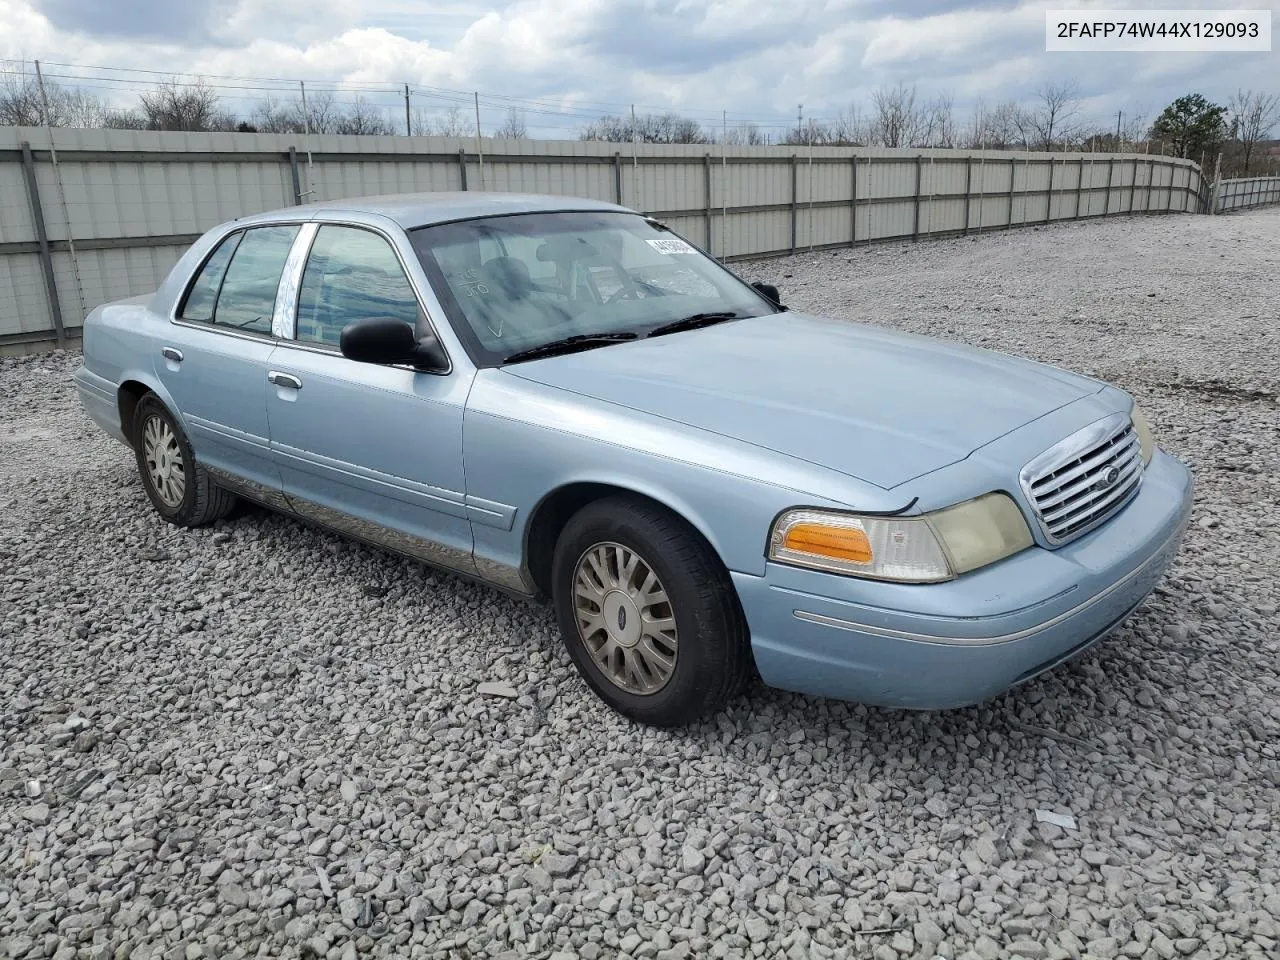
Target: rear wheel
{"points": [[180, 489], [648, 613]]}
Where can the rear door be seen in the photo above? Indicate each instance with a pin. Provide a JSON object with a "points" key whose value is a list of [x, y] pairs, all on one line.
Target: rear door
{"points": [[373, 450], [215, 363]]}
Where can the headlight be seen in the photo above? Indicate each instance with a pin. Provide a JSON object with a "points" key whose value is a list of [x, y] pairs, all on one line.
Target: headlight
{"points": [[926, 549], [1143, 430]]}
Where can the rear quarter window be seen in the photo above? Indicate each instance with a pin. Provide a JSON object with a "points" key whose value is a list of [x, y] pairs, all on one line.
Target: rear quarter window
{"points": [[203, 293]]}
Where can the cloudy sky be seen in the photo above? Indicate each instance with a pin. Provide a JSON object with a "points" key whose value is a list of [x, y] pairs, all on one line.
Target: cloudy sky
{"points": [[565, 60]]}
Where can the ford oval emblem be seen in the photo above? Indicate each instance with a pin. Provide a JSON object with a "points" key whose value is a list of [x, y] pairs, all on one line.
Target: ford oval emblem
{"points": [[1111, 476], [622, 619]]}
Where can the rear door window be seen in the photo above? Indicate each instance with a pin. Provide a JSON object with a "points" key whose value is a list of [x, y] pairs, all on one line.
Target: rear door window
{"points": [[204, 291], [248, 293]]}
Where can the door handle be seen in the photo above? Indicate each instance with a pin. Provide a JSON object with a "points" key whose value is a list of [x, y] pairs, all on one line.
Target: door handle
{"points": [[284, 380], [172, 353]]}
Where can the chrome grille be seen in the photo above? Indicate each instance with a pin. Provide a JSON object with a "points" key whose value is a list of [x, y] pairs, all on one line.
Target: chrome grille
{"points": [[1078, 483]]}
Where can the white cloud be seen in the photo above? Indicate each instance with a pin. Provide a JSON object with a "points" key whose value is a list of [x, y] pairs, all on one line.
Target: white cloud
{"points": [[758, 60]]}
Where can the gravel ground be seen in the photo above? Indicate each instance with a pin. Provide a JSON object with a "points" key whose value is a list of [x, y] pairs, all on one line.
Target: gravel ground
{"points": [[257, 739]]}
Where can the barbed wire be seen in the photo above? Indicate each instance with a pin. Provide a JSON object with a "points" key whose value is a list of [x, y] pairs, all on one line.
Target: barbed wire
{"points": [[233, 87]]}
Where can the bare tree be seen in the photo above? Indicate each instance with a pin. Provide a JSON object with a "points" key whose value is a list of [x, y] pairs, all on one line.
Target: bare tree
{"points": [[746, 135], [896, 121], [513, 127], [124, 120], [278, 116], [648, 128], [183, 106], [21, 105], [939, 125], [1052, 119], [1253, 114], [362, 118], [449, 124], [813, 133], [20, 102], [850, 128], [994, 128]]}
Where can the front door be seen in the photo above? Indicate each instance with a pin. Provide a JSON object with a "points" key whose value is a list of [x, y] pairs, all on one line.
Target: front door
{"points": [[375, 451], [215, 364]]}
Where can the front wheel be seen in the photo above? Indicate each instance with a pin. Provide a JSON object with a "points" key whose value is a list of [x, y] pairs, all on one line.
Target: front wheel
{"points": [[648, 613], [179, 488]]}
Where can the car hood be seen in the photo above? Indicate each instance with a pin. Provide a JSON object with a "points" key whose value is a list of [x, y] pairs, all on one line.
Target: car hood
{"points": [[875, 404]]}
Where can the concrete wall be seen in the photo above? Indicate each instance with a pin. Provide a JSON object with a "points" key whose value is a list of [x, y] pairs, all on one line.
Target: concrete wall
{"points": [[130, 202]]}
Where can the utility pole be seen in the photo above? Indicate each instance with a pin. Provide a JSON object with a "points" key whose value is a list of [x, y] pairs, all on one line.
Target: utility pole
{"points": [[408, 124], [1119, 114], [479, 146], [62, 200], [306, 133], [799, 121], [635, 161], [724, 180]]}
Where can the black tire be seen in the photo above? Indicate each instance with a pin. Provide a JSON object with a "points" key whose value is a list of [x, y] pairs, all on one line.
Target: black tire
{"points": [[713, 656], [202, 501]]}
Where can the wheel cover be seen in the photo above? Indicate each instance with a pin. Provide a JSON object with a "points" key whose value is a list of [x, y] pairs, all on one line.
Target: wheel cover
{"points": [[163, 455], [624, 618]]}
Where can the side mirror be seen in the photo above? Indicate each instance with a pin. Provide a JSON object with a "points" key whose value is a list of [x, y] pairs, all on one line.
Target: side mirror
{"points": [[770, 291], [388, 340]]}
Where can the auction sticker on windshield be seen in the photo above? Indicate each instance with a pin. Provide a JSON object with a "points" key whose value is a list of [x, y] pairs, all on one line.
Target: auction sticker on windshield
{"points": [[672, 245]]}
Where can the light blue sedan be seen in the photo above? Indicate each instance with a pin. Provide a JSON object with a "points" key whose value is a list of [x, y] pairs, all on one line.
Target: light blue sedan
{"points": [[564, 399]]}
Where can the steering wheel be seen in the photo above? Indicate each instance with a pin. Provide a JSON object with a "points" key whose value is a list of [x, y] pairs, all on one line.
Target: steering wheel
{"points": [[626, 293]]}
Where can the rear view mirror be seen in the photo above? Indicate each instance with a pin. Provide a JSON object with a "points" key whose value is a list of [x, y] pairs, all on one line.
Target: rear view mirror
{"points": [[387, 340], [770, 291], [565, 247]]}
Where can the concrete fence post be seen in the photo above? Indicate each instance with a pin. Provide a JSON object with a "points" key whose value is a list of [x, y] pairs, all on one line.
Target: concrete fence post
{"points": [[297, 180], [968, 191], [617, 178], [462, 167], [706, 196], [1013, 178], [42, 239], [1048, 203], [795, 201], [915, 233], [1080, 185], [853, 203]]}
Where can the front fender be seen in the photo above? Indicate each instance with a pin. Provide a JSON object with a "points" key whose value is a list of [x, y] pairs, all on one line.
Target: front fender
{"points": [[524, 441]]}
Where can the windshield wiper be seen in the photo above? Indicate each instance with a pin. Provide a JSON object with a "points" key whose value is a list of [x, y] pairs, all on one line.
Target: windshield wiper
{"points": [[580, 341], [693, 322]]}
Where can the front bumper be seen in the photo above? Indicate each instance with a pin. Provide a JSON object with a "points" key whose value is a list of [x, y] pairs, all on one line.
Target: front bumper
{"points": [[952, 644]]}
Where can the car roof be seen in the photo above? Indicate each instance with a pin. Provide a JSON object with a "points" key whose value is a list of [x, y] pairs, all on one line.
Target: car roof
{"points": [[411, 210]]}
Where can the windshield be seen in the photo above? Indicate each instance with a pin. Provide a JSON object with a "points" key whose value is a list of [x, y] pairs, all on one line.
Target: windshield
{"points": [[515, 283]]}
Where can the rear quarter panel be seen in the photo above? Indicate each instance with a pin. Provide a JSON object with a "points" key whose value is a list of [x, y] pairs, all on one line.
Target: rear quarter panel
{"points": [[120, 344], [121, 341]]}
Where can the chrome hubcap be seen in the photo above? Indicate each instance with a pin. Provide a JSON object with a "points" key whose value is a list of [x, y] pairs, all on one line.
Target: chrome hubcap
{"points": [[164, 461], [624, 618]]}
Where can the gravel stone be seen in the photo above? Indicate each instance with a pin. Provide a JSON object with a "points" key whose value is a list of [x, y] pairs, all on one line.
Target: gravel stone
{"points": [[237, 745]]}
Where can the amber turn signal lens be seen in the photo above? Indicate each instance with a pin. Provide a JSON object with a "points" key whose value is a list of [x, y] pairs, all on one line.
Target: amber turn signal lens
{"points": [[838, 543]]}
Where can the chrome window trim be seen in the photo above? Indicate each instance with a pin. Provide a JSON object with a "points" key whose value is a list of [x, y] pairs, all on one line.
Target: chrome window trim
{"points": [[292, 339], [284, 315], [1069, 448]]}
